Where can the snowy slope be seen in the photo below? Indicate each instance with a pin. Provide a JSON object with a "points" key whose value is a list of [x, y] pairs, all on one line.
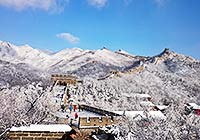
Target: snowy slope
{"points": [[169, 78], [19, 74], [93, 63], [63, 61], [7, 51]]}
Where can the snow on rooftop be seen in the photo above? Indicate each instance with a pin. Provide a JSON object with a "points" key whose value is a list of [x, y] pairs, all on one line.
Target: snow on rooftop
{"points": [[194, 105], [42, 128], [119, 112]]}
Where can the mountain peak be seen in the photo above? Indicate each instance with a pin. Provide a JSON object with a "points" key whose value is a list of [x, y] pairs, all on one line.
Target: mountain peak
{"points": [[166, 51], [27, 47], [104, 48], [7, 49], [4, 43], [122, 51]]}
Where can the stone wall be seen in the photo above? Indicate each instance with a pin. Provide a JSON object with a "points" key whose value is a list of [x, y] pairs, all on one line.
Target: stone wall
{"points": [[34, 135], [64, 80], [94, 122], [98, 110]]}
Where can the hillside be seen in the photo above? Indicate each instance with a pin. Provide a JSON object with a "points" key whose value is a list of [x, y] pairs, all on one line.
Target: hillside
{"points": [[65, 61], [19, 74], [162, 74], [23, 64], [110, 80]]}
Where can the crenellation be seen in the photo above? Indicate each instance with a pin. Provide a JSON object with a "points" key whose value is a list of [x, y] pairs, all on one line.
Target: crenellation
{"points": [[96, 121], [35, 136]]}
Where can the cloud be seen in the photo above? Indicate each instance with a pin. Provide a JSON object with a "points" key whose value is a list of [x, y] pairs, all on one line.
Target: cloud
{"points": [[160, 2], [97, 3], [69, 37], [46, 5], [157, 2], [127, 2]]}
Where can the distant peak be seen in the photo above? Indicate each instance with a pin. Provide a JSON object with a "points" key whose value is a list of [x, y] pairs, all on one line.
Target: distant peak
{"points": [[121, 51], [76, 48], [26, 46], [166, 51], [71, 49], [4, 43], [46, 51], [68, 50], [104, 48]]}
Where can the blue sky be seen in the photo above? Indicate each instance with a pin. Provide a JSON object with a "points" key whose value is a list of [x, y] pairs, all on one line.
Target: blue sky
{"points": [[142, 27]]}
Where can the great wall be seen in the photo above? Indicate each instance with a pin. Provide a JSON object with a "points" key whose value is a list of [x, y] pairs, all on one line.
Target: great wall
{"points": [[96, 117], [139, 65]]}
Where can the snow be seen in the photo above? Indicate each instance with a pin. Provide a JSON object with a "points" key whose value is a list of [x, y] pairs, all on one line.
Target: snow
{"points": [[157, 114], [42, 128], [80, 114], [110, 57], [127, 95], [161, 107], [157, 80], [194, 105], [123, 52], [142, 95], [133, 114], [119, 112], [69, 59], [6, 50], [147, 103]]}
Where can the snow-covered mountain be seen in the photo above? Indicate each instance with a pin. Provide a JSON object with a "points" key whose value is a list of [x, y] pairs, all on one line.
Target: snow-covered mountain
{"points": [[19, 74], [110, 79], [96, 64], [65, 61]]}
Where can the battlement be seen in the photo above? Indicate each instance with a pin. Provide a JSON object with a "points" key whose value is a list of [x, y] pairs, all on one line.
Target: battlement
{"points": [[35, 135], [98, 110], [59, 79], [95, 122], [38, 132]]}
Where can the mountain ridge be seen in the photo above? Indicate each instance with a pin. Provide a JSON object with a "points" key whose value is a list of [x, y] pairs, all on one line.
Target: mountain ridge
{"points": [[93, 63], [64, 58]]}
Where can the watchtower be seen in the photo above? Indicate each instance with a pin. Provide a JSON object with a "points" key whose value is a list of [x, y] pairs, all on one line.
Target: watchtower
{"points": [[64, 80]]}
